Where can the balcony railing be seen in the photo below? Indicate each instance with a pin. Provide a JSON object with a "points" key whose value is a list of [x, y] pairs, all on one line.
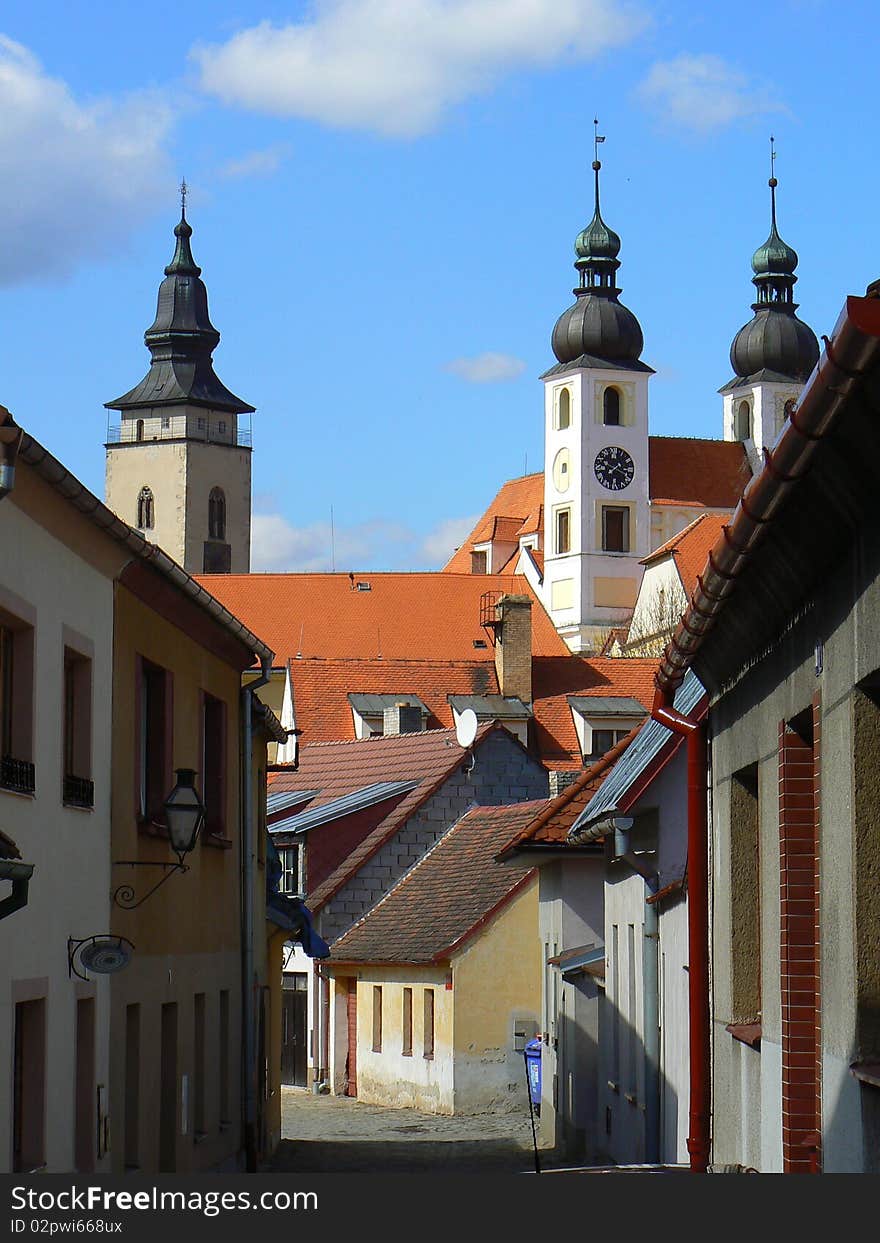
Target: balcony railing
{"points": [[181, 427], [79, 792], [18, 775]]}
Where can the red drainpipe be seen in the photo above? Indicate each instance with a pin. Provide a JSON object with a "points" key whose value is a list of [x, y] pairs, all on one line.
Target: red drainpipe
{"points": [[698, 1140]]}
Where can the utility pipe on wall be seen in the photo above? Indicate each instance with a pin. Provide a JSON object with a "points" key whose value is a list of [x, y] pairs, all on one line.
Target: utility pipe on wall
{"points": [[698, 1142]]}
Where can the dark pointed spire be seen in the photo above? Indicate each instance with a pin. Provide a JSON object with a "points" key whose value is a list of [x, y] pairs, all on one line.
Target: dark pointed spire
{"points": [[775, 344], [181, 340], [598, 325]]}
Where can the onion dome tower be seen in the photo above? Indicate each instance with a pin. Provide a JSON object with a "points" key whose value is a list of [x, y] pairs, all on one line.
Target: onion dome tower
{"points": [[773, 354], [178, 462], [596, 508]]}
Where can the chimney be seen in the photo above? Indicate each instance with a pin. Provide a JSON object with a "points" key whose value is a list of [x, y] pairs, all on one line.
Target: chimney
{"points": [[402, 719], [513, 647]]}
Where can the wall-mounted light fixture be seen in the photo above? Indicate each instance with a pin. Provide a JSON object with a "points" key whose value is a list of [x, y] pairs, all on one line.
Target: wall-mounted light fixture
{"points": [[10, 441], [184, 817]]}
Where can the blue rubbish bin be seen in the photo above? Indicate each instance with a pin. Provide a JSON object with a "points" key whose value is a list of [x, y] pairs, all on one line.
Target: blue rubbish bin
{"points": [[533, 1070]]}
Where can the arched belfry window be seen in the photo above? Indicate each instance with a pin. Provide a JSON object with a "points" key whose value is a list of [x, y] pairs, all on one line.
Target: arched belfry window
{"points": [[146, 514], [611, 407], [563, 413], [742, 428], [139, 430], [217, 514]]}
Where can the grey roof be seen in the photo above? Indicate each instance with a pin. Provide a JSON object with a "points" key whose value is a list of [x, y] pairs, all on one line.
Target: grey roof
{"points": [[491, 707], [288, 798], [344, 806], [591, 361], [612, 705], [651, 739], [374, 705]]}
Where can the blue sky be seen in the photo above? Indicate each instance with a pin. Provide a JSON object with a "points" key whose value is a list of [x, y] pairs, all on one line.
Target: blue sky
{"points": [[384, 196]]}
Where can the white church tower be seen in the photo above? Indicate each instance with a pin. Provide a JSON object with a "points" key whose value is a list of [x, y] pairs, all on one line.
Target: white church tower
{"points": [[179, 462], [773, 354], [596, 497]]}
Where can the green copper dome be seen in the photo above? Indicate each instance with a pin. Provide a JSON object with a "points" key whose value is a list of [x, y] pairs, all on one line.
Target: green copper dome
{"points": [[596, 241]]}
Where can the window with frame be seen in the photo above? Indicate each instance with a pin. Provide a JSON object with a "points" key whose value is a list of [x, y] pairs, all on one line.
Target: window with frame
{"points": [[16, 704], [563, 530], [480, 562], [602, 742], [615, 528], [407, 1023], [78, 790], [377, 1018], [428, 1029], [611, 407], [146, 517], [743, 421], [291, 869], [213, 774], [154, 741]]}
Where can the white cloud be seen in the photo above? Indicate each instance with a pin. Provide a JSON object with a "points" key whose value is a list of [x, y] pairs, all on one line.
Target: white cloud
{"points": [[78, 175], [396, 68], [704, 93], [256, 163], [278, 546], [439, 545], [488, 368]]}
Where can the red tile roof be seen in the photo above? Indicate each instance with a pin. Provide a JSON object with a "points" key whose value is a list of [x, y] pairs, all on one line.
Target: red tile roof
{"points": [[553, 819], [554, 679], [707, 472], [339, 768], [682, 471], [690, 547], [401, 617], [517, 497], [449, 895]]}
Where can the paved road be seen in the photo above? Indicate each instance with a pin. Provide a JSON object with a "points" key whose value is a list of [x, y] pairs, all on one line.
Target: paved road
{"points": [[336, 1133]]}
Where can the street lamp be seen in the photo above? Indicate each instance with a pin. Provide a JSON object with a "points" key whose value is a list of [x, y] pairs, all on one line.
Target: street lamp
{"points": [[184, 817]]}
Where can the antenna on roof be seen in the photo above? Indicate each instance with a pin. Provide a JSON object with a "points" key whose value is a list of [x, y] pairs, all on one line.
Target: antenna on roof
{"points": [[332, 544]]}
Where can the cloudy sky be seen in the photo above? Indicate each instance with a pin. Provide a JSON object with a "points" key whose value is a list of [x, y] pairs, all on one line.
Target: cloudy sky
{"points": [[384, 195]]}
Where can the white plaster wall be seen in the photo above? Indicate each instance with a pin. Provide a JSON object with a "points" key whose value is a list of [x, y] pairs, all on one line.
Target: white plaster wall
{"points": [[70, 848], [661, 599], [161, 467]]}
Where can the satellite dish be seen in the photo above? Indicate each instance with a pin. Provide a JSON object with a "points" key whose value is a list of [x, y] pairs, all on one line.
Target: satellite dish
{"points": [[466, 728], [102, 955]]}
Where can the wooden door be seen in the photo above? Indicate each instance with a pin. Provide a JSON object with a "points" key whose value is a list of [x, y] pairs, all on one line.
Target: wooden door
{"points": [[294, 1034], [351, 1060]]}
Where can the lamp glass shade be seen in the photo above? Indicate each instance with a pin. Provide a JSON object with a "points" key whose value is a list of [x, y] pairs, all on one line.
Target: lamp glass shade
{"points": [[184, 812]]}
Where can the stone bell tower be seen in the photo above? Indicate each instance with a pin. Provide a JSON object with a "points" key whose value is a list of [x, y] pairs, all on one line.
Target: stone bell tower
{"points": [[179, 461]]}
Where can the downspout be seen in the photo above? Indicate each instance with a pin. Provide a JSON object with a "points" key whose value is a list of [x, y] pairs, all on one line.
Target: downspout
{"points": [[623, 853], [620, 827], [698, 1141], [248, 984]]}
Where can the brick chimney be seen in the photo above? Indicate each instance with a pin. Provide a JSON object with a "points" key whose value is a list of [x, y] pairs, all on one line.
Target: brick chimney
{"points": [[402, 719], [513, 647]]}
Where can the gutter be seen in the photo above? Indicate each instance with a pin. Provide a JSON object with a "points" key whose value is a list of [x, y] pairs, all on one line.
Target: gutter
{"points": [[249, 983]]}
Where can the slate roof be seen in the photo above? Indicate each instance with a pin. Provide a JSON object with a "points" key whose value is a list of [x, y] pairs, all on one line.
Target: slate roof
{"points": [[447, 897]]}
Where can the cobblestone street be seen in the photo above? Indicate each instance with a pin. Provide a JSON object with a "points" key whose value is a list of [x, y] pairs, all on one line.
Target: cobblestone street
{"points": [[336, 1133]]}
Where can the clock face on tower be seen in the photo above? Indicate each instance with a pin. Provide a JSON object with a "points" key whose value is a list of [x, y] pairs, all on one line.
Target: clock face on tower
{"points": [[614, 468]]}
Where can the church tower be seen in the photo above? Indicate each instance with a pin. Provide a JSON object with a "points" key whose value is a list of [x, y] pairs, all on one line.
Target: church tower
{"points": [[179, 462], [596, 506], [773, 354]]}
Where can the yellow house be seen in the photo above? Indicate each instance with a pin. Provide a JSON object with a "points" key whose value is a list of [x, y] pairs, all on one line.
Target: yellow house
{"points": [[436, 991]]}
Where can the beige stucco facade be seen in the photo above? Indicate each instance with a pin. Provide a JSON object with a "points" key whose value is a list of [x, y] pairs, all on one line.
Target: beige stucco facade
{"points": [[484, 998], [56, 578]]}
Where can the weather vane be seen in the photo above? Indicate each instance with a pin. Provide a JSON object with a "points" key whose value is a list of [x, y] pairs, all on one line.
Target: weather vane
{"points": [[597, 138], [772, 161], [183, 194]]}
